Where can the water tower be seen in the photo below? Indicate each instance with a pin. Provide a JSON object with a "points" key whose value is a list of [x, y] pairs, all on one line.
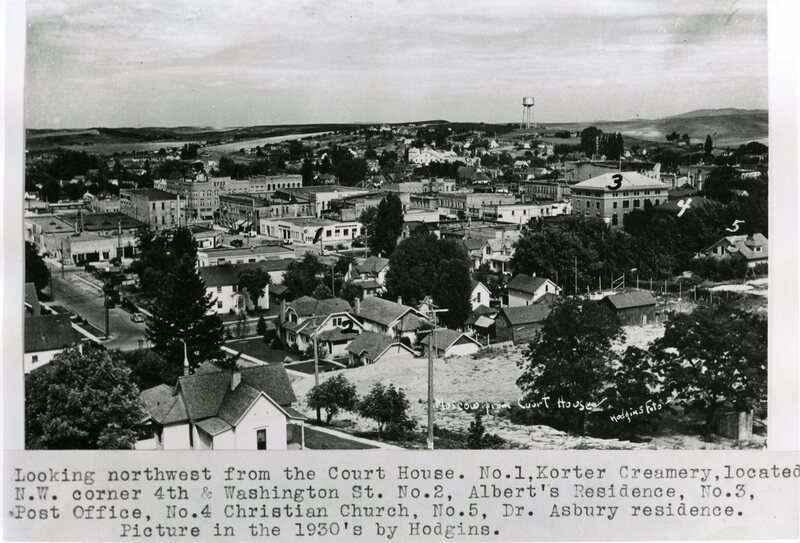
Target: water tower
{"points": [[528, 117]]}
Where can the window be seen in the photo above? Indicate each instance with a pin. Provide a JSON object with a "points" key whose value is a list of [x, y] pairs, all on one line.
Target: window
{"points": [[614, 205], [614, 220], [35, 358], [261, 439], [626, 204], [327, 233], [597, 205], [219, 289], [219, 305], [636, 203], [478, 297]]}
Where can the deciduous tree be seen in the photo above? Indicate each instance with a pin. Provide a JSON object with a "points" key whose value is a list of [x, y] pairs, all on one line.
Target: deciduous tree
{"points": [[388, 407], [569, 358], [333, 395], [715, 358], [81, 401]]}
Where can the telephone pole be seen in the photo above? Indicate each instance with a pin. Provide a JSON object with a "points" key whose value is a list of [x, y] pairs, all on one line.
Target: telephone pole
{"points": [[431, 346]]}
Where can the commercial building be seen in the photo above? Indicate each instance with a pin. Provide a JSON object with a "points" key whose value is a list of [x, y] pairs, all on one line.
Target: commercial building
{"points": [[474, 204], [304, 230], [596, 197], [241, 255], [156, 208], [319, 196], [522, 213]]}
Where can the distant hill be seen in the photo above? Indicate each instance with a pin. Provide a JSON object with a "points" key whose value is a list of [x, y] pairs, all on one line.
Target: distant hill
{"points": [[724, 112], [727, 127]]}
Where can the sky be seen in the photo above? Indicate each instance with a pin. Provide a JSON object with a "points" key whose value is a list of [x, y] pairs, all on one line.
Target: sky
{"points": [[252, 62]]}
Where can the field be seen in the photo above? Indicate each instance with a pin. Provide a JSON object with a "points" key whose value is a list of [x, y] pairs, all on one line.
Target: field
{"points": [[490, 380], [235, 146]]}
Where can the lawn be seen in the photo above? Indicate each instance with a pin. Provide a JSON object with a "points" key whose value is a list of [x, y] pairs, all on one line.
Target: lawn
{"points": [[320, 440], [256, 348]]}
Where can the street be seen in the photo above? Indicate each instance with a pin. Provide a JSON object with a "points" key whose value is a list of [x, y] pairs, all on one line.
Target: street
{"points": [[86, 300]]}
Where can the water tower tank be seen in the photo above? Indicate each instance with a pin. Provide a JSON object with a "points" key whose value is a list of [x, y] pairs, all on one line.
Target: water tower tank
{"points": [[527, 101]]}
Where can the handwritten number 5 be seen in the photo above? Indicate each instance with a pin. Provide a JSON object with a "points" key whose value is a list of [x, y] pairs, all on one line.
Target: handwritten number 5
{"points": [[735, 227]]}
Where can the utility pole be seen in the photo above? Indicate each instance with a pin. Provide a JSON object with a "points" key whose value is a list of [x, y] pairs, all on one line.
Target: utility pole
{"points": [[105, 295], [576, 276], [316, 368], [62, 259], [431, 347], [333, 284]]}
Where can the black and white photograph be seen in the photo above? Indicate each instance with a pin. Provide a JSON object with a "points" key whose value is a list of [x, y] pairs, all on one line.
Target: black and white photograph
{"points": [[396, 225]]}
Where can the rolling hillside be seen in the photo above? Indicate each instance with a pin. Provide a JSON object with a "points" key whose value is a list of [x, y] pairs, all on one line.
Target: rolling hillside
{"points": [[727, 127]]}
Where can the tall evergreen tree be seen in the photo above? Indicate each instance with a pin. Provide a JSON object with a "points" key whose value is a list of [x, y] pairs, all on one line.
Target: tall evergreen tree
{"points": [[181, 314], [36, 271], [388, 225], [709, 145]]}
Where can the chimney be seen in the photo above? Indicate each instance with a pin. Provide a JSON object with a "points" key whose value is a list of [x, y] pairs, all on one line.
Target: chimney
{"points": [[358, 305], [400, 300], [236, 378]]}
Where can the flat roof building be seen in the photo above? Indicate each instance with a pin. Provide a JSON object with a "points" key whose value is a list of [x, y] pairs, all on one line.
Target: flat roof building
{"points": [[597, 197]]}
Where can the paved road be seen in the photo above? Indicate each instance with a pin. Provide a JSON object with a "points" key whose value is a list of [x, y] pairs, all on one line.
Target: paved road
{"points": [[87, 301]]}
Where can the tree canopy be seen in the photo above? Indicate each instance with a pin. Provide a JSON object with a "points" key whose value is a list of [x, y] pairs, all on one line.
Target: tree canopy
{"points": [[425, 266], [36, 271], [715, 358], [81, 401], [569, 358], [384, 224], [333, 395], [388, 407]]}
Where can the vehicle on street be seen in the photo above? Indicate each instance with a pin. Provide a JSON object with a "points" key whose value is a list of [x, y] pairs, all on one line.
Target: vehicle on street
{"points": [[137, 317]]}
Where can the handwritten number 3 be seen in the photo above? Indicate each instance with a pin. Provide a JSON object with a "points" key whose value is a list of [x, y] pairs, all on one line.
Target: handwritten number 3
{"points": [[618, 180]]}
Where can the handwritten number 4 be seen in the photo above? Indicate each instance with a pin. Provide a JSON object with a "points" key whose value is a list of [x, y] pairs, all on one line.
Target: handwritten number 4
{"points": [[618, 180], [735, 227], [683, 205]]}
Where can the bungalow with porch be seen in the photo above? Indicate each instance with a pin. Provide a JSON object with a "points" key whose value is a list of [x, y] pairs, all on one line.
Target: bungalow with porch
{"points": [[241, 409], [330, 320], [754, 249]]}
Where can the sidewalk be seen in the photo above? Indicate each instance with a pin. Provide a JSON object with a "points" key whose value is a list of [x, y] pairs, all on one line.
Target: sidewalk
{"points": [[348, 437]]}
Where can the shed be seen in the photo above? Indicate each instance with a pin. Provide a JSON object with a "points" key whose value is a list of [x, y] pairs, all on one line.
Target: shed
{"points": [[633, 307]]}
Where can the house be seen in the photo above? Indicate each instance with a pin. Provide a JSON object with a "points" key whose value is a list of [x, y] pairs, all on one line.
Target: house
{"points": [[45, 337], [525, 289], [475, 248], [480, 294], [448, 342], [222, 284], [520, 323], [633, 307], [241, 409], [392, 319], [480, 322], [370, 274], [372, 347], [329, 320], [32, 307], [752, 248]]}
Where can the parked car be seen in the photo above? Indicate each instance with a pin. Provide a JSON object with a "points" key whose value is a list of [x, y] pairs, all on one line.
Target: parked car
{"points": [[137, 317], [236, 243]]}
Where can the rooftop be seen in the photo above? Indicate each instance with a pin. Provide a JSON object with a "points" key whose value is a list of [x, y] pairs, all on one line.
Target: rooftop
{"points": [[49, 333], [630, 181], [228, 274], [278, 250], [526, 314], [526, 283], [151, 194], [373, 343], [633, 298], [382, 311]]}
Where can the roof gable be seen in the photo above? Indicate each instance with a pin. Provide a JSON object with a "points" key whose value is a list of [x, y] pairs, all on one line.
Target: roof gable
{"points": [[307, 306], [526, 283], [634, 298], [629, 181], [526, 314], [384, 312], [49, 332]]}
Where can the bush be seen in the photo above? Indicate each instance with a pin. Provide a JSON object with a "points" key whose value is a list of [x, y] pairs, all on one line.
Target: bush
{"points": [[277, 344]]}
